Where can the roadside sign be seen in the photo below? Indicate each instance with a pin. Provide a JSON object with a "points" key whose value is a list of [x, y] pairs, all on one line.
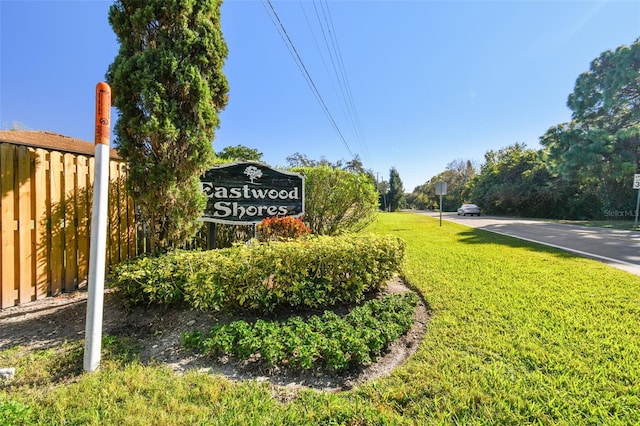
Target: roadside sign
{"points": [[636, 181], [441, 188], [245, 193]]}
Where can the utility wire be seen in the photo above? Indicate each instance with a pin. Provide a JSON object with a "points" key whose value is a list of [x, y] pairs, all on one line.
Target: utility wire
{"points": [[303, 69], [333, 47]]}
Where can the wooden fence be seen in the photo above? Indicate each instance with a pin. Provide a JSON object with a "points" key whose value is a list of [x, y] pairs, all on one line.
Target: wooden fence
{"points": [[45, 221]]}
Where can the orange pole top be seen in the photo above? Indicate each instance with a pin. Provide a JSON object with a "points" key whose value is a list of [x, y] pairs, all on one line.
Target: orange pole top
{"points": [[103, 113]]}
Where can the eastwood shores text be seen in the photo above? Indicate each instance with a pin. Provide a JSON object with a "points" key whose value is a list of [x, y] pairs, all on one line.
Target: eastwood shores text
{"points": [[248, 192], [248, 203]]}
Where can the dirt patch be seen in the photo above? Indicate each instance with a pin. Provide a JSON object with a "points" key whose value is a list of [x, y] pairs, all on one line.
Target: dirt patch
{"points": [[157, 330]]}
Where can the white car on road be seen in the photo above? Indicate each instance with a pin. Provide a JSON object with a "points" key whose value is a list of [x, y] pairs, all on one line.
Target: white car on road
{"points": [[469, 209]]}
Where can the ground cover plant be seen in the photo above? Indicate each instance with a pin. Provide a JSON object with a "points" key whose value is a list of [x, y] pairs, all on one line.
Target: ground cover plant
{"points": [[327, 341], [519, 334]]}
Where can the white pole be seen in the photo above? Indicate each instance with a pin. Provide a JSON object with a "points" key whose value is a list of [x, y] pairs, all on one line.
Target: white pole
{"points": [[99, 216], [635, 224]]}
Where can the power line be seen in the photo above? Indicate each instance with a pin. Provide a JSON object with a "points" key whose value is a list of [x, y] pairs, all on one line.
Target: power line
{"points": [[333, 47], [303, 69]]}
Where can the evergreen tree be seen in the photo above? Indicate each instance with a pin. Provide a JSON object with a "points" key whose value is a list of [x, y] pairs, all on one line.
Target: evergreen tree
{"points": [[599, 150], [168, 85], [395, 196]]}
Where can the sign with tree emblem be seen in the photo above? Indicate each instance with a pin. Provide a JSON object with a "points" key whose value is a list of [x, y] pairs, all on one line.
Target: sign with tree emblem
{"points": [[248, 192]]}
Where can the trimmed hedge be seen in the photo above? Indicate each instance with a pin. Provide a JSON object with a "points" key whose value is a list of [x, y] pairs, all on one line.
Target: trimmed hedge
{"points": [[314, 273]]}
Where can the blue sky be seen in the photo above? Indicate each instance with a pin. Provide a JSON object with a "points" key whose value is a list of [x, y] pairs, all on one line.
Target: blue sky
{"points": [[419, 83]]}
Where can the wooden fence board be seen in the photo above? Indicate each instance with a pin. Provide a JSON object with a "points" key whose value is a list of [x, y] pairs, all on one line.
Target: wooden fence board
{"points": [[56, 222], [40, 215], [70, 220], [7, 272], [131, 228], [24, 260], [83, 201], [122, 213], [114, 215]]}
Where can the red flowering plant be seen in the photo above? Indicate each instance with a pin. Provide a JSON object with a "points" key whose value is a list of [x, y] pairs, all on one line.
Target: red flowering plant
{"points": [[282, 228]]}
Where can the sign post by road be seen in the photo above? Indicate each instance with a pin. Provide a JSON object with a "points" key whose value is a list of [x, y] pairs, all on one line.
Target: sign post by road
{"points": [[441, 190], [636, 185]]}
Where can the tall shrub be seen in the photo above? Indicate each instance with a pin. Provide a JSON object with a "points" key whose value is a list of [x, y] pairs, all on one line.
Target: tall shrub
{"points": [[337, 201], [168, 86]]}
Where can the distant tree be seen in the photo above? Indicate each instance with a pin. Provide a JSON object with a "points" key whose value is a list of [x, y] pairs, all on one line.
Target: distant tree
{"points": [[168, 85], [423, 197], [515, 181], [383, 189], [355, 165], [462, 171], [240, 153], [337, 201], [457, 175], [300, 160], [395, 196], [599, 150], [18, 125], [419, 199]]}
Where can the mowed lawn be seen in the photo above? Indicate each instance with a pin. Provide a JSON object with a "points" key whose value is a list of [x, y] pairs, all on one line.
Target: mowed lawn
{"points": [[519, 334]]}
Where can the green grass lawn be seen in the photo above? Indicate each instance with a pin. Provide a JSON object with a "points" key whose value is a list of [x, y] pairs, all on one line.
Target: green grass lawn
{"points": [[519, 334]]}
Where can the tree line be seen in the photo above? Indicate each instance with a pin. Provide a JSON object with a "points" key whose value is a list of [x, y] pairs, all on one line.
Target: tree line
{"points": [[169, 87], [585, 168]]}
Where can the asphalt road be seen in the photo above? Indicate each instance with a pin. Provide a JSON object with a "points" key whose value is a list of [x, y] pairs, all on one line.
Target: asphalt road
{"points": [[616, 247]]}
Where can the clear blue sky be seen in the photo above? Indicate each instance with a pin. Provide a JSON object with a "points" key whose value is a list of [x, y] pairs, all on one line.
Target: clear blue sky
{"points": [[421, 83]]}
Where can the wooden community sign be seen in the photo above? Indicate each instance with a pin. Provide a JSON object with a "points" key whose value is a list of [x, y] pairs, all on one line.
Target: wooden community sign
{"points": [[245, 193]]}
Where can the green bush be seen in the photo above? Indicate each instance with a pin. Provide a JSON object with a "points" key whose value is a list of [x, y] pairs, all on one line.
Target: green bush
{"points": [[328, 340], [337, 201], [313, 273]]}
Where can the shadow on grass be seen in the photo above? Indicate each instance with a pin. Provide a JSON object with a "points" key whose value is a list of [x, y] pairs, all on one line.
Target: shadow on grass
{"points": [[477, 236]]}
